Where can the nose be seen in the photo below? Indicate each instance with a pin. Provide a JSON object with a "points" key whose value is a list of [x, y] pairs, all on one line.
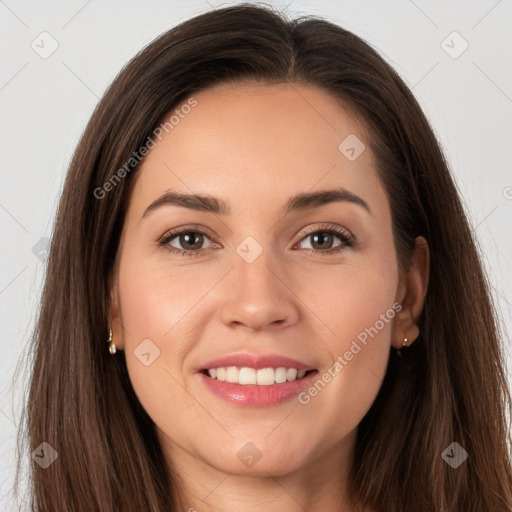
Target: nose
{"points": [[258, 296]]}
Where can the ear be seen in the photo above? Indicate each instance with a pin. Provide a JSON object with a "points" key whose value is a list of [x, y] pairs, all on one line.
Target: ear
{"points": [[411, 295], [114, 314]]}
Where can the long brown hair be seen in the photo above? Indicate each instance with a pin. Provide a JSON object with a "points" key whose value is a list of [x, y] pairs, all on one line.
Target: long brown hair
{"points": [[449, 387]]}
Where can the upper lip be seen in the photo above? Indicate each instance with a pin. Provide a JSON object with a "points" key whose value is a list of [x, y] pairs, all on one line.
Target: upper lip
{"points": [[257, 361]]}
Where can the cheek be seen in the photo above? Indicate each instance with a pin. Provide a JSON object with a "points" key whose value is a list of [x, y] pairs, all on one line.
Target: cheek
{"points": [[149, 312], [163, 315], [350, 298], [356, 308], [150, 305], [157, 298]]}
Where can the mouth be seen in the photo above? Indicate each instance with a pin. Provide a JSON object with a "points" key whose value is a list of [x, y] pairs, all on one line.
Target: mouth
{"points": [[246, 376], [250, 387]]}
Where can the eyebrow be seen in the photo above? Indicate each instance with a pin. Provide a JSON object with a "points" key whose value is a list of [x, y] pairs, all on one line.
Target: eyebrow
{"points": [[210, 204]]}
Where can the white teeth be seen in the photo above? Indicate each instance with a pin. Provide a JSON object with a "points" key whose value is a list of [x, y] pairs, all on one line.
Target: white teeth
{"points": [[291, 374], [280, 375], [232, 374], [247, 376], [261, 377], [265, 376]]}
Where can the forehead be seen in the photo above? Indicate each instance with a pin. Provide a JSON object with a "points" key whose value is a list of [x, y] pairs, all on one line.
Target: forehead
{"points": [[246, 117], [258, 142]]}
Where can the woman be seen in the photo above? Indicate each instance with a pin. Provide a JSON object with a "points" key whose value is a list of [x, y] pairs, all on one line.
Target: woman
{"points": [[260, 222]]}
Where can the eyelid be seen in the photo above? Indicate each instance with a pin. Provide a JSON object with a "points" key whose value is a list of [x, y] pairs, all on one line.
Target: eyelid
{"points": [[326, 226], [171, 233], [347, 238], [337, 230]]}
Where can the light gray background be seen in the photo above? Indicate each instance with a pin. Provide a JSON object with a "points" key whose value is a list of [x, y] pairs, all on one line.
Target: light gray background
{"points": [[45, 104]]}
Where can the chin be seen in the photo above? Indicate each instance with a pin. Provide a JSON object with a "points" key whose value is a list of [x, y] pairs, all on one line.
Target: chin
{"points": [[252, 462]]}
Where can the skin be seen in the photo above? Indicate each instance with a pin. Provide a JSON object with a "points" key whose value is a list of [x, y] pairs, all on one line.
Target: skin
{"points": [[255, 146]]}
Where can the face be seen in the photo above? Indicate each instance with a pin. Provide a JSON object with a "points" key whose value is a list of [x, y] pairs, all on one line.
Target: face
{"points": [[263, 277]]}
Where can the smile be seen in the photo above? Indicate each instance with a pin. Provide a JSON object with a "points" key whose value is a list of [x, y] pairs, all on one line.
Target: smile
{"points": [[250, 387], [260, 377]]}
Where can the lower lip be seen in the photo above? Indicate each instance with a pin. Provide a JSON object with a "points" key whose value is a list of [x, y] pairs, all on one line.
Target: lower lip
{"points": [[252, 395]]}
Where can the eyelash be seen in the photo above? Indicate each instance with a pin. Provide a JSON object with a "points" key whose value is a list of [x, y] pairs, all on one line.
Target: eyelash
{"points": [[347, 239]]}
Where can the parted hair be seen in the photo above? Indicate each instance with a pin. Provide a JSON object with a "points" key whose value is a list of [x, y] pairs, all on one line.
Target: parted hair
{"points": [[451, 384]]}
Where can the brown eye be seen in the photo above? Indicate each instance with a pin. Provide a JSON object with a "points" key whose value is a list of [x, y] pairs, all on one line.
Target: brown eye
{"points": [[190, 240], [186, 241], [321, 240], [324, 240]]}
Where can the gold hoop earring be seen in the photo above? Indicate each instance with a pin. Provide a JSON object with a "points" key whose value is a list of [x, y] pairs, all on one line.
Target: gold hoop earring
{"points": [[112, 345]]}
